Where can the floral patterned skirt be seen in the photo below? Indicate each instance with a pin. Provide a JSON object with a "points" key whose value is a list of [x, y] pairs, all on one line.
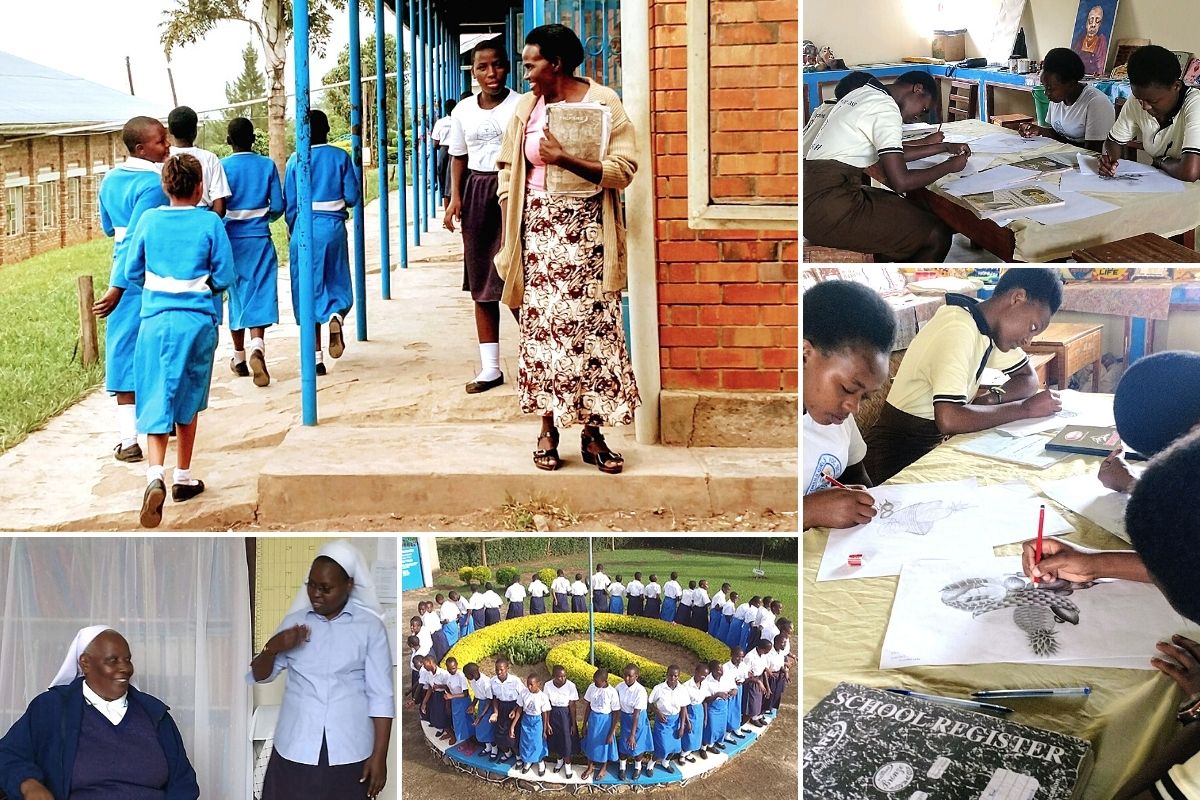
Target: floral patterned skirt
{"points": [[572, 362]]}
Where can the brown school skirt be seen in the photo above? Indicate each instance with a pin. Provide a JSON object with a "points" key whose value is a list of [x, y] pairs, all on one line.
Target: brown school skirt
{"points": [[481, 228], [896, 440], [842, 211]]}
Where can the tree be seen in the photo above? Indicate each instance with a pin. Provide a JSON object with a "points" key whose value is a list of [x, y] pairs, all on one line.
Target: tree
{"points": [[336, 101], [250, 85], [190, 20]]}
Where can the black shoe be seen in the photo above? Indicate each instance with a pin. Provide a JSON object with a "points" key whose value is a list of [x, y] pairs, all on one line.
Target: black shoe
{"points": [[702, 753], [524, 768], [667, 768], [541, 768], [689, 758], [620, 773], [258, 366], [320, 368], [650, 770], [475, 387], [737, 734], [186, 491], [239, 368], [337, 343], [718, 747], [758, 723], [494, 757], [152, 504], [128, 454]]}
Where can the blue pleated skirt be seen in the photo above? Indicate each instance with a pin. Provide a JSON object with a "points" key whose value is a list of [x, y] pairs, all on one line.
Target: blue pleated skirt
{"points": [[254, 296], [560, 603], [330, 269], [120, 340], [504, 725], [599, 601], [734, 709], [515, 610], [718, 719], [595, 744], [485, 729], [537, 605], [578, 603], [616, 605], [666, 737], [643, 742], [533, 739], [460, 716], [695, 732], [714, 621], [652, 607], [173, 359], [669, 605], [451, 631], [438, 717]]}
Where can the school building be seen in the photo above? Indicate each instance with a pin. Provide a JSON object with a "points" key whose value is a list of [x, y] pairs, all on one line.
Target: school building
{"points": [[59, 134]]}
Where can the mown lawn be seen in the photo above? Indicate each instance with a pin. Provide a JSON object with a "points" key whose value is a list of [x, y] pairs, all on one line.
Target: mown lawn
{"points": [[40, 371]]}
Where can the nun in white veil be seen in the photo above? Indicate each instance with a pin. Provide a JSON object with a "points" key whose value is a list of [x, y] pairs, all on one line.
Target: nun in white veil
{"points": [[331, 740]]}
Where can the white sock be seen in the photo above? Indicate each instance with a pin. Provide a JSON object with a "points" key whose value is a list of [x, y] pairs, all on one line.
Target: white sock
{"points": [[559, 765], [183, 477], [489, 358], [637, 767], [320, 357], [154, 473], [258, 344], [621, 763], [239, 356], [127, 425]]}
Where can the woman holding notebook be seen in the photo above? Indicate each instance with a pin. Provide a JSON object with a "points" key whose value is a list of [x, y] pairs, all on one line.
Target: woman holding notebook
{"points": [[567, 154]]}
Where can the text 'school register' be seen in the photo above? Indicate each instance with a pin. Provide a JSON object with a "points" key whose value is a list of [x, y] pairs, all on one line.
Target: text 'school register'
{"points": [[862, 744]]}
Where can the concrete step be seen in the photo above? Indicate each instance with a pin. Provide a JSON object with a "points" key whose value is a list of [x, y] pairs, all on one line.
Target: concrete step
{"points": [[343, 469]]}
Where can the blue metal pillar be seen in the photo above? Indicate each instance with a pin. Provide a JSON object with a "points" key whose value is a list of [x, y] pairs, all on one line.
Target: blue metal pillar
{"points": [[416, 121], [435, 43], [513, 41], [423, 136], [429, 112], [360, 232], [303, 229], [401, 164], [385, 260]]}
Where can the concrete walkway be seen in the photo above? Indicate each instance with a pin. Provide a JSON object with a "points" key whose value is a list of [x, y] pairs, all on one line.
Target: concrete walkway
{"points": [[397, 435]]}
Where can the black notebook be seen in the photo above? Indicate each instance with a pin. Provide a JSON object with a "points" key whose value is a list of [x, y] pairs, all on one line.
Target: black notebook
{"points": [[1090, 440]]}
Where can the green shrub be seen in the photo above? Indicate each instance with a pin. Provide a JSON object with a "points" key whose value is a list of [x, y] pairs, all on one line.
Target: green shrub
{"points": [[514, 549], [505, 576], [481, 575], [526, 649], [466, 575], [547, 575]]}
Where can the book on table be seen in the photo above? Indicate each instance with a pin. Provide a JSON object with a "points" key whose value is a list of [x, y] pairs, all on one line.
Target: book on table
{"points": [[868, 744], [1090, 440], [1048, 165], [1010, 201], [583, 130]]}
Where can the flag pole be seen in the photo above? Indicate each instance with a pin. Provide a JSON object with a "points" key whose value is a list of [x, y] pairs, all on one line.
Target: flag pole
{"points": [[591, 611]]}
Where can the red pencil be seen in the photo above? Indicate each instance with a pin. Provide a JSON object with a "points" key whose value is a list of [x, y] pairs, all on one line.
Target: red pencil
{"points": [[835, 482], [1041, 524]]}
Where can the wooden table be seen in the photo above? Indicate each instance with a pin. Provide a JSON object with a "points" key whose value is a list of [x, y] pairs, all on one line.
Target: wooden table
{"points": [[1074, 345], [1145, 248]]}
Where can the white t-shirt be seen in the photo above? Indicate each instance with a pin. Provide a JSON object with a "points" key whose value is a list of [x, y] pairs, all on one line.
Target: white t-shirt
{"points": [[537, 588], [728, 608], [667, 700], [431, 621], [635, 588], [1089, 118], [600, 581], [652, 590], [456, 682], [700, 598], [476, 601], [616, 589], [815, 123], [515, 593], [1181, 133], [441, 131], [602, 700], [481, 687], [449, 611], [829, 450], [672, 589], [560, 585], [477, 133], [718, 599], [215, 184], [755, 663], [535, 702], [508, 689], [696, 693], [491, 599], [738, 673], [579, 589], [686, 596], [862, 126], [561, 696], [742, 611], [632, 697], [425, 639]]}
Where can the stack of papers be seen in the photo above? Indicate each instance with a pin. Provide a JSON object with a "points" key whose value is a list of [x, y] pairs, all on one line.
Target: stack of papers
{"points": [[1153, 181]]}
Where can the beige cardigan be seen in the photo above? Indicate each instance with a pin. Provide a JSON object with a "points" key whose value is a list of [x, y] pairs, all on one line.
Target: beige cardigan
{"points": [[619, 165]]}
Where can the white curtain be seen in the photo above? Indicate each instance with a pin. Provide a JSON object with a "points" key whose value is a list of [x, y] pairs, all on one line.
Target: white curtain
{"points": [[184, 606]]}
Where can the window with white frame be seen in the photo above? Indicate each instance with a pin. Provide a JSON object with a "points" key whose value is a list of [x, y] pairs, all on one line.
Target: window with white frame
{"points": [[48, 196], [15, 203], [75, 198]]}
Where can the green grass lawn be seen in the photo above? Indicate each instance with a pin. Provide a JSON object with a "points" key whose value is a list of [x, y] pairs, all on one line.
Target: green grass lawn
{"points": [[780, 580], [40, 373]]}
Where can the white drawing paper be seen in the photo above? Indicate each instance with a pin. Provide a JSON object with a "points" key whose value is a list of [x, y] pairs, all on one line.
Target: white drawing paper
{"points": [[1124, 183], [1027, 450], [1009, 143], [1078, 408], [1086, 496], [975, 163], [1089, 164], [1075, 206], [934, 520], [988, 180], [985, 611]]}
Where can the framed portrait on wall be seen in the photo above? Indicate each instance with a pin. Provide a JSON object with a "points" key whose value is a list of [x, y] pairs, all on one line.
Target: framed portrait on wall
{"points": [[1094, 22]]}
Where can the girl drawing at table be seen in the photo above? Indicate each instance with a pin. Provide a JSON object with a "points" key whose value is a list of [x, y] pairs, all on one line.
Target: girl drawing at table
{"points": [[1163, 114], [865, 128], [1080, 114], [845, 361]]}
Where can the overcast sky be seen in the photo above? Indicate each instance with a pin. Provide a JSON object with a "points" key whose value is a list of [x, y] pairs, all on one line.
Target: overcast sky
{"points": [[91, 38]]}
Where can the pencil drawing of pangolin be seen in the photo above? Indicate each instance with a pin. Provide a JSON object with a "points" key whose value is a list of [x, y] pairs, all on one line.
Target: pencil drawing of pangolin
{"points": [[1036, 607]]}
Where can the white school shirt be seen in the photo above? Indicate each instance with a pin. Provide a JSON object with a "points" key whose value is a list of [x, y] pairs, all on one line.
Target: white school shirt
{"points": [[686, 596], [769, 630], [1180, 134], [741, 611], [738, 673], [600, 581], [441, 130], [765, 618], [729, 609], [579, 589], [616, 589], [462, 605], [538, 589], [449, 611], [635, 588], [456, 683], [696, 692], [667, 700], [477, 133], [602, 700], [1089, 118], [560, 585], [432, 621], [829, 450], [815, 122], [481, 687], [426, 677], [632, 697], [726, 683], [476, 601], [441, 677], [861, 127], [652, 590], [755, 663], [515, 593], [534, 703], [700, 598], [509, 689], [491, 599], [424, 641], [1182, 780], [212, 173], [718, 600], [672, 589], [775, 660], [561, 696]]}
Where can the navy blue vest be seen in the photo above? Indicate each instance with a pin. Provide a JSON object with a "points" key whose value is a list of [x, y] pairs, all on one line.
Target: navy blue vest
{"points": [[118, 761]]}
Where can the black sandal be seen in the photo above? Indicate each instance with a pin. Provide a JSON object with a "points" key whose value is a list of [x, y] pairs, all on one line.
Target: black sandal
{"points": [[548, 459], [605, 460]]}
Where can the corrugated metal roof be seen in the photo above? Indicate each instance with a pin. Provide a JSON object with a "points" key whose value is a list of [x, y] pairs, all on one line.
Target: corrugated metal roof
{"points": [[35, 98]]}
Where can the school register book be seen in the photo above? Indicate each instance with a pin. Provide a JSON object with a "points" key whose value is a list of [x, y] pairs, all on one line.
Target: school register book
{"points": [[868, 744], [1011, 202], [1047, 165], [1090, 440]]}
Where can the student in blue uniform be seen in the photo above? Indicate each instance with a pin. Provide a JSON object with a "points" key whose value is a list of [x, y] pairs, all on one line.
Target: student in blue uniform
{"points": [[256, 201], [481, 688], [691, 744], [127, 191], [600, 725], [180, 257], [459, 700], [533, 718], [334, 189], [634, 739], [563, 731]]}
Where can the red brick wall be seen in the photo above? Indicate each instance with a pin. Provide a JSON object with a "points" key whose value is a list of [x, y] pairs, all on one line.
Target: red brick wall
{"points": [[727, 299]]}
